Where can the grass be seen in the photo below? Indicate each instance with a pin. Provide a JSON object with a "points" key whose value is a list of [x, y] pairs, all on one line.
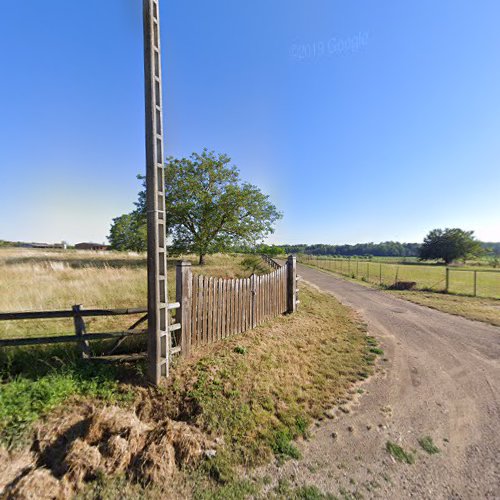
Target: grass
{"points": [[428, 445], [34, 280], [257, 392], [475, 308], [399, 454], [430, 277], [306, 492], [35, 381], [293, 370]]}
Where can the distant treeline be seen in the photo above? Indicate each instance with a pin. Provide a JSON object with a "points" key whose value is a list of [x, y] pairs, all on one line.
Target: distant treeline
{"points": [[384, 249]]}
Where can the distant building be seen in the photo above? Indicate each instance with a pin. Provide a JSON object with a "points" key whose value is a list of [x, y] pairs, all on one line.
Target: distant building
{"points": [[43, 245], [91, 246]]}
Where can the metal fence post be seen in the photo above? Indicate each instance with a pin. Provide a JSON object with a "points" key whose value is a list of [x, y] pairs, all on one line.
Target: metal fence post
{"points": [[475, 283], [447, 279], [80, 330], [292, 283], [184, 295]]}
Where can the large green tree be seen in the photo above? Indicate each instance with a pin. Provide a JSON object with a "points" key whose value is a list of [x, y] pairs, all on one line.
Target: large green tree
{"points": [[450, 245], [128, 232], [208, 207]]}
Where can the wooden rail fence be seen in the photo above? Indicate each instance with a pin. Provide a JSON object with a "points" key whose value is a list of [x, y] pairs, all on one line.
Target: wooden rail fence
{"points": [[81, 337]]}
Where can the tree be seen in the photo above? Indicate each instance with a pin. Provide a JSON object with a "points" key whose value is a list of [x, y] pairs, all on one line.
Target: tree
{"points": [[208, 208], [128, 232], [271, 250], [449, 245]]}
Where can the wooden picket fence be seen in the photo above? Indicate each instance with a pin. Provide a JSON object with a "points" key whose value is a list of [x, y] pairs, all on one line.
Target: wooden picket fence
{"points": [[214, 308]]}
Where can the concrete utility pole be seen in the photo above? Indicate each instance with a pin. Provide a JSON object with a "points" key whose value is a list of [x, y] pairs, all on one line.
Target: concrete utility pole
{"points": [[158, 325]]}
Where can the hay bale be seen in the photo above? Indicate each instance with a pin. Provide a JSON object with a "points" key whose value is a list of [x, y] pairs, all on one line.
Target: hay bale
{"points": [[82, 462], [39, 484]]}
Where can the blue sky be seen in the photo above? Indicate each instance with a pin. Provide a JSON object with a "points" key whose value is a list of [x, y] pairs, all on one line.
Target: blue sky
{"points": [[364, 121]]}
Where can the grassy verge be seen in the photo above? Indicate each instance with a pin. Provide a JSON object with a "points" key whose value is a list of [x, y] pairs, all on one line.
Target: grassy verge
{"points": [[476, 308], [260, 391]]}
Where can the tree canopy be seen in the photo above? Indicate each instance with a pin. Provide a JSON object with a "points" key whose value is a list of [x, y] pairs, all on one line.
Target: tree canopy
{"points": [[208, 208], [450, 245]]}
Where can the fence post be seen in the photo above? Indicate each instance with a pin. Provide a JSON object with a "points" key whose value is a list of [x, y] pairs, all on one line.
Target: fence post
{"points": [[81, 330], [447, 279], [475, 283], [291, 283], [380, 273], [184, 295]]}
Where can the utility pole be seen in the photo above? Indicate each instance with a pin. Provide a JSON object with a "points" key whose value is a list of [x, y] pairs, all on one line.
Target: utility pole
{"points": [[158, 325]]}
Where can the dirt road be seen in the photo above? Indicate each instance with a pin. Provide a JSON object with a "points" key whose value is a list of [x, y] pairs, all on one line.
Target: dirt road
{"points": [[439, 377]]}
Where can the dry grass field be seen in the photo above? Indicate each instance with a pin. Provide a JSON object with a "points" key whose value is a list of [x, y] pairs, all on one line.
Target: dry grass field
{"points": [[36, 280]]}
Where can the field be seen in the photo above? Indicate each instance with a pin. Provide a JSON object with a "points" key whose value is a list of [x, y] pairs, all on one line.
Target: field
{"points": [[249, 396], [35, 280], [430, 289], [480, 281]]}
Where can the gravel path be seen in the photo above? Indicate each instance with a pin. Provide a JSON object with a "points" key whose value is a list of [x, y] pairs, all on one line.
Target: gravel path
{"points": [[439, 377]]}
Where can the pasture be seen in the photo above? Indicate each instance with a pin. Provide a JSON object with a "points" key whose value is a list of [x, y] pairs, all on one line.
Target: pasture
{"points": [[463, 280]]}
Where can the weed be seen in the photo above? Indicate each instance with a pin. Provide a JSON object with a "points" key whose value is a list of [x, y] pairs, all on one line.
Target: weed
{"points": [[399, 454], [428, 445], [283, 446], [240, 350], [377, 350]]}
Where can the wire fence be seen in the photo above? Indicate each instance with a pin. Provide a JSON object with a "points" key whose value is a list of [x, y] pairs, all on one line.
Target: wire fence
{"points": [[474, 282]]}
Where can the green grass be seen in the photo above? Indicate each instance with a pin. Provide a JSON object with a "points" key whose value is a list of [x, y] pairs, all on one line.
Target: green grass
{"points": [[399, 454], [428, 445], [284, 490], [431, 277], [475, 308], [35, 381]]}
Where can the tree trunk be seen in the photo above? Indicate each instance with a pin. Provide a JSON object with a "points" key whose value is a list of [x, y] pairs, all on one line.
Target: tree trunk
{"points": [[202, 259]]}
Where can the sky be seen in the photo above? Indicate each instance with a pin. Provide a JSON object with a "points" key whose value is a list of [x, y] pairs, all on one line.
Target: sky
{"points": [[364, 121]]}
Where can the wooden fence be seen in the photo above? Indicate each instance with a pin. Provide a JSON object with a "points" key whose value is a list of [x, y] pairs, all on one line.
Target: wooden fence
{"points": [[214, 308], [81, 337], [207, 310]]}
